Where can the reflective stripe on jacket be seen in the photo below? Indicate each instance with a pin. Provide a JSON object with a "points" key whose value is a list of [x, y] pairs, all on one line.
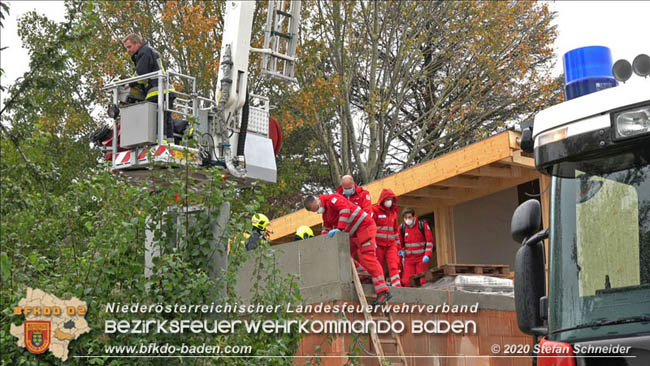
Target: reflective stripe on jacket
{"points": [[415, 244], [342, 214], [386, 220]]}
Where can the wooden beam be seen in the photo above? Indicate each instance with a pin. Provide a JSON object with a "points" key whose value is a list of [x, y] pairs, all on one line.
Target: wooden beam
{"points": [[527, 176], [419, 202], [449, 165], [285, 226], [469, 182], [515, 139], [518, 159], [444, 235], [496, 172], [436, 192]]}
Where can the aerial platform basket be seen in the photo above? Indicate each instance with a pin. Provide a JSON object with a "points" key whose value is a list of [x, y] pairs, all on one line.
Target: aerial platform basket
{"points": [[138, 148]]}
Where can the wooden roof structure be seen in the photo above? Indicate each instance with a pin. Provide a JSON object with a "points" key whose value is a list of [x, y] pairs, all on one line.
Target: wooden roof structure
{"points": [[478, 170]]}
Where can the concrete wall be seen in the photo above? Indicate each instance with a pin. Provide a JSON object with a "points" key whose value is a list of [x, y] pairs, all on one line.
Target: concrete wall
{"points": [[322, 263], [482, 229]]}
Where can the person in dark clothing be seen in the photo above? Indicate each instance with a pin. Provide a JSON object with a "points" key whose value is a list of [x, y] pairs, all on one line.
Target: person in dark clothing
{"points": [[147, 60], [259, 234]]}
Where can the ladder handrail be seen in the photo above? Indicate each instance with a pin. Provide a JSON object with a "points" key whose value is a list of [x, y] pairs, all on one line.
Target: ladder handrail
{"points": [[376, 342], [281, 39], [162, 101], [362, 299]]}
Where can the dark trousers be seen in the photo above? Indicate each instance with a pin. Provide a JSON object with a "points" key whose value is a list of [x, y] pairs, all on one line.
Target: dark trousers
{"points": [[168, 123]]}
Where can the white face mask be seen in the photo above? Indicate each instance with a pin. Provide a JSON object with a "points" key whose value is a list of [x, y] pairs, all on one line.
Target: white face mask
{"points": [[348, 192], [409, 222], [321, 209], [388, 203]]}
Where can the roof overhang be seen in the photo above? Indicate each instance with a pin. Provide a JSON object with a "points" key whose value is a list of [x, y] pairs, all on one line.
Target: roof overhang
{"points": [[478, 170]]}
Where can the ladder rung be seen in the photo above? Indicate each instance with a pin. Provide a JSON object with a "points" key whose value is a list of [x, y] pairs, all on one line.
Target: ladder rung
{"points": [[380, 318], [270, 52], [279, 76], [283, 35], [284, 13]]}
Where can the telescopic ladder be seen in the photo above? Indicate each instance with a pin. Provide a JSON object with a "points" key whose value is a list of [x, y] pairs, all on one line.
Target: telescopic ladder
{"points": [[281, 39]]}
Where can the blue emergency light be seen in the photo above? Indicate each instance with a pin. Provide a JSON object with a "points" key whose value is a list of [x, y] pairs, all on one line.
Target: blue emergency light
{"points": [[587, 70]]}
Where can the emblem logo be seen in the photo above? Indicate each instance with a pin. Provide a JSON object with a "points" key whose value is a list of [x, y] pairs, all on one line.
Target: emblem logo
{"points": [[38, 334]]}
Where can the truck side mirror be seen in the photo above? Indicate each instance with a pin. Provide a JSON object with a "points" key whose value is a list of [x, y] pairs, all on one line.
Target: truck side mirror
{"points": [[526, 220], [530, 277], [527, 143]]}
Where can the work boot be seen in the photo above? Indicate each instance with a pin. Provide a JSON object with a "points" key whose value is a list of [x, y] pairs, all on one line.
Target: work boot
{"points": [[382, 298]]}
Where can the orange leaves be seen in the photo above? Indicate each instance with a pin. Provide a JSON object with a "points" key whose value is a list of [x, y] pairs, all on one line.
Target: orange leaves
{"points": [[308, 105]]}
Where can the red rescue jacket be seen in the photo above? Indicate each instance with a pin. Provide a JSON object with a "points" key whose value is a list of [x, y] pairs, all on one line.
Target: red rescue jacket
{"points": [[342, 214], [361, 198], [386, 220], [415, 245]]}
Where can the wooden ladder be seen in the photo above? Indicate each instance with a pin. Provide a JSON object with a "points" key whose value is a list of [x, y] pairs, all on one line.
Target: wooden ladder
{"points": [[377, 342]]}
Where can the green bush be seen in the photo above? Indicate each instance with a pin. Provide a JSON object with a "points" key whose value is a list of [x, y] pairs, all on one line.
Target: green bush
{"points": [[87, 240]]}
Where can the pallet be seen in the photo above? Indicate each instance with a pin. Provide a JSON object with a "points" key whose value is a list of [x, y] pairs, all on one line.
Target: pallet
{"points": [[434, 274], [415, 279]]}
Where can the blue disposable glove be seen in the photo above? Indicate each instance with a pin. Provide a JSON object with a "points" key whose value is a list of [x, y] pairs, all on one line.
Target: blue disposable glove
{"points": [[332, 232], [425, 259], [400, 253]]}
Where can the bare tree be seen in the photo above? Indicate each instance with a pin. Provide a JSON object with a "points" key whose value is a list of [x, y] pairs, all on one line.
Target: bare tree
{"points": [[387, 84]]}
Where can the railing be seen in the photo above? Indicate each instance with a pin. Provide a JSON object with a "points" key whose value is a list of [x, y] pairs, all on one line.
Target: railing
{"points": [[187, 104]]}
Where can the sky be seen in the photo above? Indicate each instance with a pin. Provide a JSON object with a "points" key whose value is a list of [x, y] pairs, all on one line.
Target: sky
{"points": [[620, 25]]}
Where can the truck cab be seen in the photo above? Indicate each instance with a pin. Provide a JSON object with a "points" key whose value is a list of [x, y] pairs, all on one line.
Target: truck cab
{"points": [[595, 308]]}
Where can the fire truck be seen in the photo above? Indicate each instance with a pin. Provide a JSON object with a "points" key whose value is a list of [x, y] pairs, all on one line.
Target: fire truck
{"points": [[595, 146]]}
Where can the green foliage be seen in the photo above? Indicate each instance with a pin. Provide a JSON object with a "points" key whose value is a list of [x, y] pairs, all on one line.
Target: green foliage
{"points": [[4, 9], [301, 170], [88, 241]]}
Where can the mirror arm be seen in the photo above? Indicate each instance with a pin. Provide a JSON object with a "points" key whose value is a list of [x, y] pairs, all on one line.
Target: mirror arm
{"points": [[539, 236], [540, 331]]}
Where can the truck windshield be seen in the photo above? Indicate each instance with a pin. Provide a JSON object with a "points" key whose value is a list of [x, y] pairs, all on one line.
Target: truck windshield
{"points": [[600, 255]]}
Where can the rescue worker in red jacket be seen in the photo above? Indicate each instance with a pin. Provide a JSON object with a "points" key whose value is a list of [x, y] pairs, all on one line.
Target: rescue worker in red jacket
{"points": [[361, 198], [418, 245], [384, 213], [354, 193], [339, 214]]}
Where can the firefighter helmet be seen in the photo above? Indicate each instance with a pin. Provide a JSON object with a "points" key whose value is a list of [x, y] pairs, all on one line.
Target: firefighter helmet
{"points": [[304, 232], [260, 221]]}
